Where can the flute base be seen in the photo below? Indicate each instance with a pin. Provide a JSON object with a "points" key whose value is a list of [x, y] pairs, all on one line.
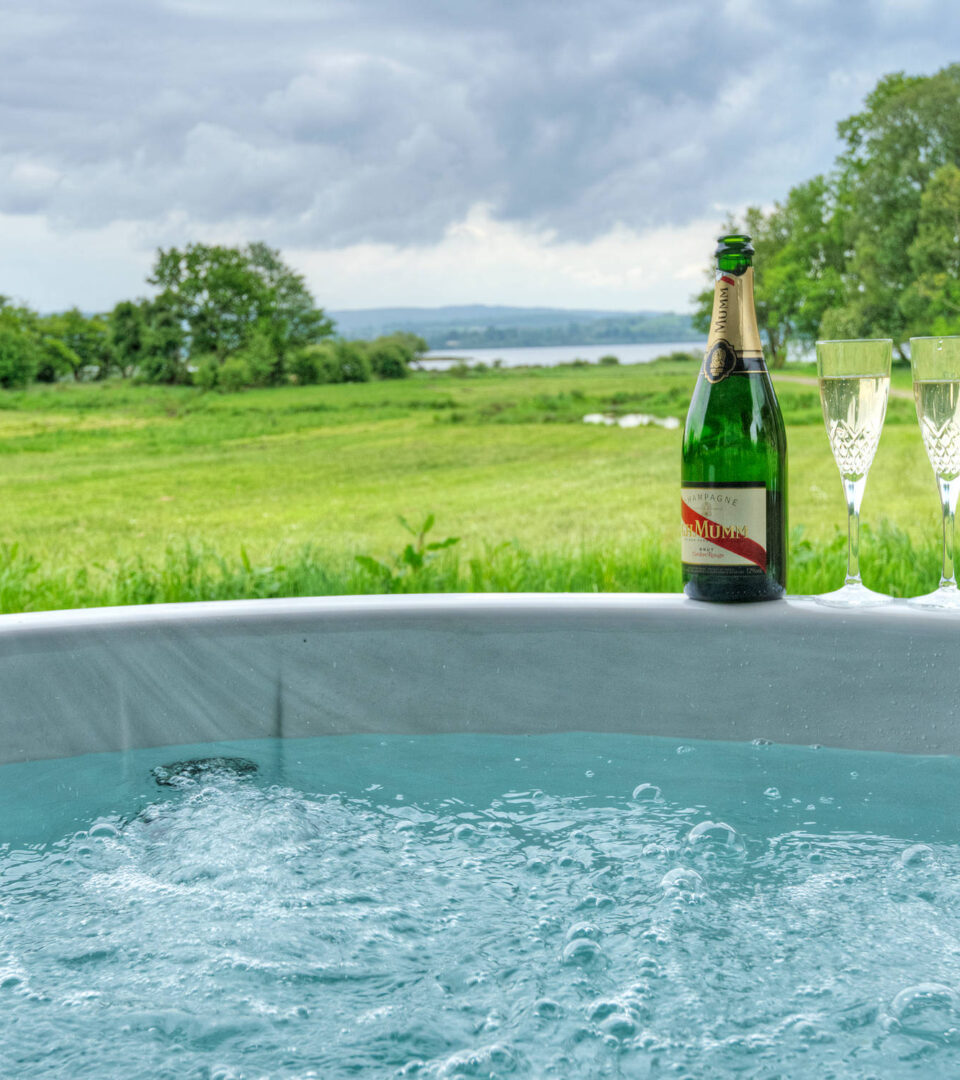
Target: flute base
{"points": [[944, 598], [854, 594]]}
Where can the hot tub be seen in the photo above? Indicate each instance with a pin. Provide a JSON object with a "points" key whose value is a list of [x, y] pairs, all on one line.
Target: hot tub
{"points": [[479, 836]]}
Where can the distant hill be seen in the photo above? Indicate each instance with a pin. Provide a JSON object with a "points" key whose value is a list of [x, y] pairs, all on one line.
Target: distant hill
{"points": [[478, 326]]}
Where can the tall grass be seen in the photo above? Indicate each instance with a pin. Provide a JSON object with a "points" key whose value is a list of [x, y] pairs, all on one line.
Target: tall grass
{"points": [[891, 562]]}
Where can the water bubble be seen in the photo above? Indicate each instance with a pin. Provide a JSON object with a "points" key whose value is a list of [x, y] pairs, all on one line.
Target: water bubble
{"points": [[583, 930], [488, 1061], [104, 829], [589, 774], [930, 1010], [600, 1010], [595, 901], [582, 952], [656, 936], [648, 967], [466, 832], [685, 749], [762, 742], [548, 924], [715, 836], [620, 1025], [682, 880], [548, 1009], [647, 793], [917, 855], [772, 793]]}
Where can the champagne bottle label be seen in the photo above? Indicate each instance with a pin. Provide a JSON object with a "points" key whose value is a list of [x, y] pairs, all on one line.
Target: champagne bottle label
{"points": [[733, 347], [724, 524]]}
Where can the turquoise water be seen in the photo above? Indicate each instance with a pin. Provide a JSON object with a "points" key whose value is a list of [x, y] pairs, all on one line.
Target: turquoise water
{"points": [[480, 906]]}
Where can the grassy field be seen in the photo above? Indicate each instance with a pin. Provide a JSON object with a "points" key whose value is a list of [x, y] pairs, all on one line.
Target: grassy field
{"points": [[112, 490]]}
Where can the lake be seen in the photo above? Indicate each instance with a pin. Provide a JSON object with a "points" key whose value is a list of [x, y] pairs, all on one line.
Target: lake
{"points": [[551, 355]]}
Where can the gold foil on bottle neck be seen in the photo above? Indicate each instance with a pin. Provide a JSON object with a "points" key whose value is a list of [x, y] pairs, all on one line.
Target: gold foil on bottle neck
{"points": [[734, 319]]}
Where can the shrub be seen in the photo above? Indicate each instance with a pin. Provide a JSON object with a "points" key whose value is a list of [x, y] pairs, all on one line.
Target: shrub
{"points": [[264, 365], [390, 358], [234, 374], [207, 372], [353, 363], [304, 366], [609, 361], [315, 364]]}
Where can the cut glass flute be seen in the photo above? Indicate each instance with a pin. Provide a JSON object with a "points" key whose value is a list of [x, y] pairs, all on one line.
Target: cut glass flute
{"points": [[936, 389], [854, 381]]}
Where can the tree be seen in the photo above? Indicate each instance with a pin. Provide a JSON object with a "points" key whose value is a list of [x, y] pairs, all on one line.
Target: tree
{"points": [[163, 356], [19, 344], [223, 296], [908, 130], [931, 302], [128, 329], [84, 342]]}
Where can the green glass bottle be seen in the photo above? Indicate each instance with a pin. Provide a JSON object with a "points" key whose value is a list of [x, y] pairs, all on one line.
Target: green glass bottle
{"points": [[734, 470]]}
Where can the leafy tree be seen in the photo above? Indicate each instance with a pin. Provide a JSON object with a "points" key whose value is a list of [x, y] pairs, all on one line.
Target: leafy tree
{"points": [[162, 357], [20, 355], [84, 342], [20, 352], [128, 331], [908, 130], [55, 360], [224, 295], [931, 302], [19, 358]]}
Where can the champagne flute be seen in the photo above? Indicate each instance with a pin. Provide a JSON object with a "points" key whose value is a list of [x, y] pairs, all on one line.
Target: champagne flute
{"points": [[854, 384], [936, 389]]}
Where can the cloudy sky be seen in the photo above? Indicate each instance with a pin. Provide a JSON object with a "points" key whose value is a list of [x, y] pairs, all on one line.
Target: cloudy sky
{"points": [[422, 152]]}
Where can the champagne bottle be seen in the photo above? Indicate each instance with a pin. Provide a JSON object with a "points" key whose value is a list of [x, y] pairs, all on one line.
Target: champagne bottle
{"points": [[734, 470]]}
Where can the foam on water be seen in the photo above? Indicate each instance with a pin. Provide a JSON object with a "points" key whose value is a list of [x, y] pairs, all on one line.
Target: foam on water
{"points": [[469, 906]]}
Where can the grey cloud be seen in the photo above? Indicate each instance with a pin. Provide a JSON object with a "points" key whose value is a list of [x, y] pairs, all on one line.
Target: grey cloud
{"points": [[332, 123]]}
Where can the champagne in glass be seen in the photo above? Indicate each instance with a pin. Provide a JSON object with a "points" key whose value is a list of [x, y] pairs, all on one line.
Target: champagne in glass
{"points": [[936, 390], [854, 385]]}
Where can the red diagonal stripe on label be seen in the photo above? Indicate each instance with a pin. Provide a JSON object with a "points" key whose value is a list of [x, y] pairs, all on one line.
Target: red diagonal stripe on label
{"points": [[739, 545]]}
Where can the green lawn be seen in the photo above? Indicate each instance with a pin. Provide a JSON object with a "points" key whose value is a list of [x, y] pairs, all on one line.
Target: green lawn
{"points": [[93, 475]]}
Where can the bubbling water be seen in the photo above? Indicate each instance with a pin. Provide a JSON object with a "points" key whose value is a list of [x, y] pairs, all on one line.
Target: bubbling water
{"points": [[229, 925]]}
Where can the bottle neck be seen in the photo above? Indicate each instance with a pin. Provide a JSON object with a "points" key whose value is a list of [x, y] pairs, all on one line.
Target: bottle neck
{"points": [[734, 345]]}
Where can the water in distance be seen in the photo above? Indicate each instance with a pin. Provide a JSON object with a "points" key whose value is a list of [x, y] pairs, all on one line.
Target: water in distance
{"points": [[552, 355], [480, 906]]}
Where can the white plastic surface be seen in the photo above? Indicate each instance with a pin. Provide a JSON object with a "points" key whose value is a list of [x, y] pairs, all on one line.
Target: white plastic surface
{"points": [[792, 671]]}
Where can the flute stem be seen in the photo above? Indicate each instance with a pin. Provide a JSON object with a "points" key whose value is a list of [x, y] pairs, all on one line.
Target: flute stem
{"points": [[853, 489], [948, 500]]}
